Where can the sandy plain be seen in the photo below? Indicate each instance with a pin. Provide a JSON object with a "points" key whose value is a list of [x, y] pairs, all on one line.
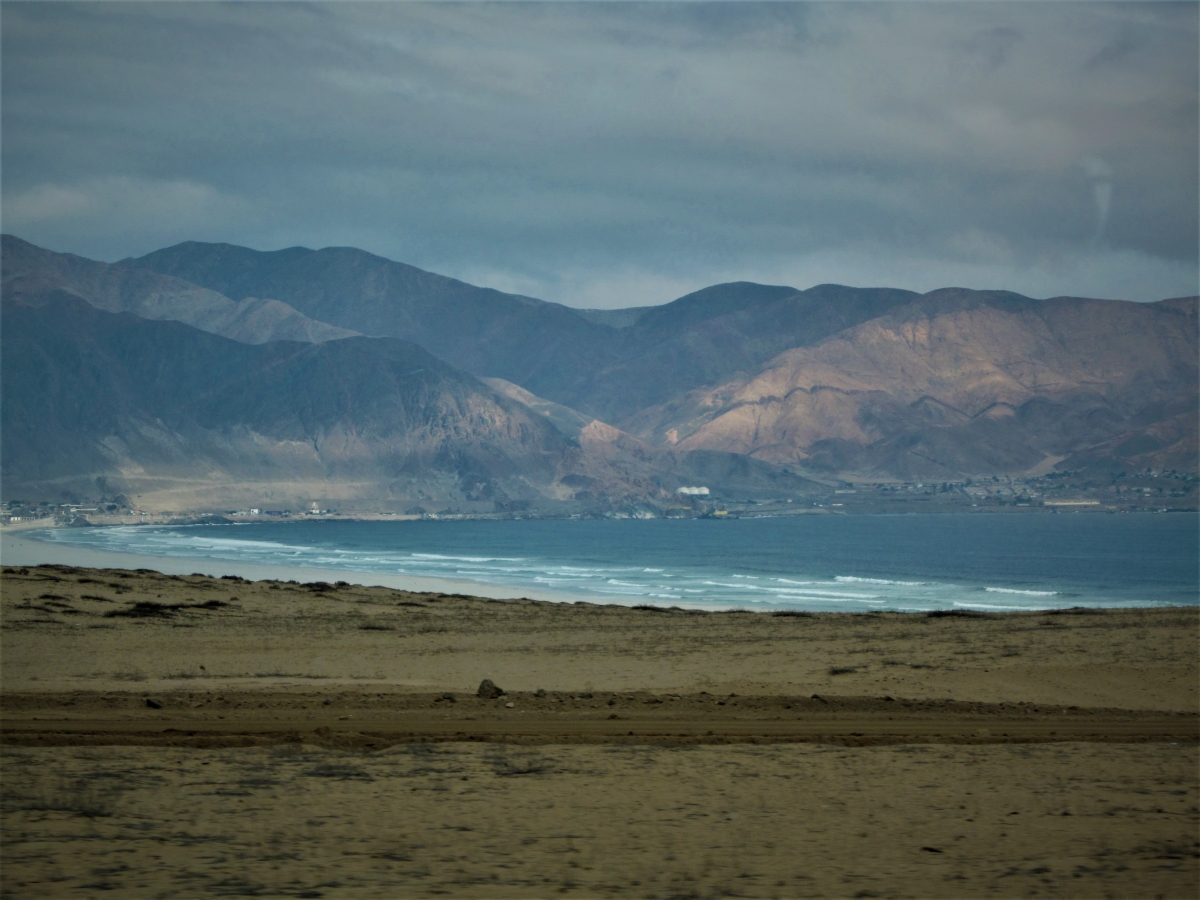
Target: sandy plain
{"points": [[183, 736]]}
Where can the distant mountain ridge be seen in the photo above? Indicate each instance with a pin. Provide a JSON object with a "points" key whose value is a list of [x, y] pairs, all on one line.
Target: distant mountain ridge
{"points": [[602, 365], [182, 418], [484, 331], [28, 270], [956, 382], [751, 387], [89, 392]]}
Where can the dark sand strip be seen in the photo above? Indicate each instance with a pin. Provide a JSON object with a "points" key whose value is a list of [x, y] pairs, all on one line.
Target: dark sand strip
{"points": [[267, 718]]}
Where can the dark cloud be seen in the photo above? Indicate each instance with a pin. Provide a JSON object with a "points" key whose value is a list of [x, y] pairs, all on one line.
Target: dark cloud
{"points": [[617, 154], [992, 46]]}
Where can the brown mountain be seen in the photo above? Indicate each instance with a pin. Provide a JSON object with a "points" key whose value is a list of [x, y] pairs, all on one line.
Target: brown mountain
{"points": [[178, 418], [741, 386], [956, 383], [608, 364], [186, 419], [612, 461]]}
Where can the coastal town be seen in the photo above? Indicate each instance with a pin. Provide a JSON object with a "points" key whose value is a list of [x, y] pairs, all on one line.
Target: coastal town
{"points": [[1152, 490]]}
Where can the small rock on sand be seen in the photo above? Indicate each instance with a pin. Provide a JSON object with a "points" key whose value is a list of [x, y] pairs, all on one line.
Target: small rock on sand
{"points": [[488, 690], [153, 704]]}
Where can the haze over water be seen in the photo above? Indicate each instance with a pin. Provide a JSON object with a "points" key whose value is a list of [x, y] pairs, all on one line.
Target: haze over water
{"points": [[826, 563]]}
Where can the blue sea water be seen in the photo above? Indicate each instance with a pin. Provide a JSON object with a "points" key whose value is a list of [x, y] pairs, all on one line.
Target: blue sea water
{"points": [[846, 563]]}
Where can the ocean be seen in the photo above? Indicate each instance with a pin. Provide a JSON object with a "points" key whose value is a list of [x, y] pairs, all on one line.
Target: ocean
{"points": [[813, 563]]}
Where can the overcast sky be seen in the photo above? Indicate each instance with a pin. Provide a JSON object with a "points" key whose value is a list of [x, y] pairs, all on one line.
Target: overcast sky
{"points": [[611, 154]]}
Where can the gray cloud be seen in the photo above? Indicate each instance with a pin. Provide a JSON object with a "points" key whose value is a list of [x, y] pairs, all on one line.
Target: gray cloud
{"points": [[1101, 174], [619, 154]]}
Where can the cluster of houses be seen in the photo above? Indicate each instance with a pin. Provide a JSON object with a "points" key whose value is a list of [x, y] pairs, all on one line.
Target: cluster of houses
{"points": [[19, 511]]}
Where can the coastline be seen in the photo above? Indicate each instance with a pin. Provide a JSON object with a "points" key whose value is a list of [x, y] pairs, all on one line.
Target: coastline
{"points": [[115, 630], [804, 565], [18, 550]]}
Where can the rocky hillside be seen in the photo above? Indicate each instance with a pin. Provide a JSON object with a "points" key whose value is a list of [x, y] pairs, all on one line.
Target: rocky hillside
{"points": [[177, 418], [608, 365], [509, 402], [163, 406], [958, 382]]}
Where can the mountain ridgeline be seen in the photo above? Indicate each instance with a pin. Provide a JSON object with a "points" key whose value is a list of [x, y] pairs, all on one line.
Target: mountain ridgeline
{"points": [[31, 271], [90, 391], [551, 350], [210, 376], [180, 418]]}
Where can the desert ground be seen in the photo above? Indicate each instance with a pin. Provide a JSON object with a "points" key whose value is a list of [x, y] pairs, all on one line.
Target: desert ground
{"points": [[188, 736]]}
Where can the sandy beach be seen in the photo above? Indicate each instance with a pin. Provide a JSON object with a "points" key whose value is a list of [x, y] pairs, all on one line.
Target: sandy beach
{"points": [[179, 735], [18, 547]]}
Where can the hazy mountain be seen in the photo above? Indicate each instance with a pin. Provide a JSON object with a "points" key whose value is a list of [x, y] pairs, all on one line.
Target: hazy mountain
{"points": [[565, 419], [31, 271], [956, 382], [487, 332], [167, 407], [719, 332], [605, 363], [867, 381], [179, 418], [615, 318]]}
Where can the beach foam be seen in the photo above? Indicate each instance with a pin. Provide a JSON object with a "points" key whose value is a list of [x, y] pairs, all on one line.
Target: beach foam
{"points": [[581, 561]]}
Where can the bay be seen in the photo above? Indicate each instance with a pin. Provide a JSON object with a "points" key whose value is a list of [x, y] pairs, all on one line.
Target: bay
{"points": [[814, 563]]}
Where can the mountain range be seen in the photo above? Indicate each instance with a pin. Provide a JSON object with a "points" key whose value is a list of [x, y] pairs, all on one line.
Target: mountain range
{"points": [[211, 376], [598, 364]]}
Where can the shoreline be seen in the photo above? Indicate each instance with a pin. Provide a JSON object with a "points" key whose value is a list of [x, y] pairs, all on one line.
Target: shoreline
{"points": [[34, 544], [16, 550], [731, 513], [116, 630]]}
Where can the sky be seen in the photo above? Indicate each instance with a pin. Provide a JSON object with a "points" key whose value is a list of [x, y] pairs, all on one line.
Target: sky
{"points": [[622, 154]]}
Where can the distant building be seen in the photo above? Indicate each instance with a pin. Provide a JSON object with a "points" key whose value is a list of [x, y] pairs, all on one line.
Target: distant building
{"points": [[693, 491]]}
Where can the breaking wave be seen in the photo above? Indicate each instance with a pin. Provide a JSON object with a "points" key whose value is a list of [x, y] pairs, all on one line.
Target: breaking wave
{"points": [[1000, 590], [765, 569], [854, 579]]}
